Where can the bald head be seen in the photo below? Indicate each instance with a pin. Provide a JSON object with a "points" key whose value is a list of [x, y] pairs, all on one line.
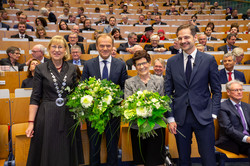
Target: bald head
{"points": [[75, 29], [202, 39]]}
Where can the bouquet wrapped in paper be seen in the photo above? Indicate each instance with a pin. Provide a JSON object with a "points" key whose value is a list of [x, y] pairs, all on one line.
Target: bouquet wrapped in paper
{"points": [[146, 109], [96, 101]]}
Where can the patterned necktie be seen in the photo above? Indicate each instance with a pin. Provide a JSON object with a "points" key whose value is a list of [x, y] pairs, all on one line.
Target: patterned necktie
{"points": [[188, 68], [105, 73], [229, 76], [242, 119]]}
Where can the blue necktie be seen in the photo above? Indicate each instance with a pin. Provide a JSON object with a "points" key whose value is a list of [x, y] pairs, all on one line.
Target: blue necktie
{"points": [[188, 68], [105, 73]]}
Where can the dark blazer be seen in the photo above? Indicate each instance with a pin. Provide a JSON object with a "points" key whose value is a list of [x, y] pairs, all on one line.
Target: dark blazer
{"points": [[173, 50], [80, 38], [224, 48], [162, 23], [80, 45], [91, 47], [5, 26], [7, 62], [122, 47], [27, 83], [31, 9], [98, 22], [231, 128], [46, 59], [148, 47], [209, 48], [27, 27], [82, 61], [213, 38], [26, 36], [52, 17], [87, 29], [237, 75], [158, 13], [129, 63], [139, 39], [186, 94], [230, 17], [139, 24]]}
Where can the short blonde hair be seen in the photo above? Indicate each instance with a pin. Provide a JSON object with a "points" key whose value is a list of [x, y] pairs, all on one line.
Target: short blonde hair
{"points": [[162, 61], [154, 37], [237, 51], [59, 40]]}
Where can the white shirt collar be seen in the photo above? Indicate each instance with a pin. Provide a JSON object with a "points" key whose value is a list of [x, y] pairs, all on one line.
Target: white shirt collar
{"points": [[108, 60], [193, 54], [229, 71]]}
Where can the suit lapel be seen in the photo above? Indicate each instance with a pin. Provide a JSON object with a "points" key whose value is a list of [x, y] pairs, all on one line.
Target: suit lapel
{"points": [[181, 67], [197, 62], [224, 75], [246, 113], [96, 67], [233, 109], [113, 67]]}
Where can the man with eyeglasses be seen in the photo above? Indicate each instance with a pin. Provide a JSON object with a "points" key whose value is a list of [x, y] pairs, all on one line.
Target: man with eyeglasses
{"points": [[234, 121], [38, 52], [228, 73], [73, 40], [75, 29], [23, 19], [76, 53]]}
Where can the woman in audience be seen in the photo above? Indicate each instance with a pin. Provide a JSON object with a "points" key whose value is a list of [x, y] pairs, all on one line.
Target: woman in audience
{"points": [[248, 29], [116, 34], [149, 151], [141, 3], [40, 21], [229, 11], [155, 46], [50, 121], [28, 82], [41, 33], [182, 10], [65, 13], [211, 24], [48, 14], [63, 25], [239, 55], [161, 34], [82, 19]]}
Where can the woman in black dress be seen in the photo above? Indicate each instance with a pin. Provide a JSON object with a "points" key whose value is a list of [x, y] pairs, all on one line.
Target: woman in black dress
{"points": [[28, 82], [50, 122]]}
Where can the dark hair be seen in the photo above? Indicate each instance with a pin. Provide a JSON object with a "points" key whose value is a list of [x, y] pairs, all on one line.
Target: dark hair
{"points": [[235, 25], [67, 27], [230, 35], [212, 8], [12, 1], [112, 17], [116, 30], [141, 54], [211, 23], [11, 50], [186, 26], [96, 9], [208, 27], [142, 3], [29, 72], [194, 16], [43, 21], [19, 13], [85, 21], [81, 8]]}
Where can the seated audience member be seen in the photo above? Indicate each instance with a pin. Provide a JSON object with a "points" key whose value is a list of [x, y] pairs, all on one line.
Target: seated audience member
{"points": [[65, 13], [116, 34], [231, 38], [177, 3], [199, 11], [176, 48], [239, 55], [155, 46], [97, 10], [228, 73], [103, 20], [182, 11], [128, 3], [202, 5], [114, 52], [48, 14], [121, 4], [47, 6], [125, 10], [127, 47], [156, 11], [51, 3], [212, 11], [67, 5], [167, 3], [124, 20], [203, 40], [153, 4], [38, 52], [234, 29], [31, 6], [28, 82], [87, 26], [75, 29], [71, 19], [229, 11], [200, 47], [80, 12], [141, 3], [5, 15], [247, 15], [12, 5], [159, 67], [149, 16], [111, 26], [141, 20], [139, 11], [234, 15], [22, 32], [234, 121], [93, 45], [129, 62], [13, 56], [63, 26], [73, 40], [61, 3], [211, 25], [248, 29], [23, 19], [158, 21], [208, 33], [111, 10], [161, 34], [190, 5], [216, 5], [194, 23], [76, 53], [82, 19], [41, 33], [145, 38], [3, 25], [40, 21]]}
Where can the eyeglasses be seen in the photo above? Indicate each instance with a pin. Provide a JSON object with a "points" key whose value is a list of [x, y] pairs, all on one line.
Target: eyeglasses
{"points": [[236, 90], [56, 47], [143, 64]]}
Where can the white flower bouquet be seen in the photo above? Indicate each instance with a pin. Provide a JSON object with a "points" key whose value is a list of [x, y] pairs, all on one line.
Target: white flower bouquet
{"points": [[96, 101], [146, 109]]}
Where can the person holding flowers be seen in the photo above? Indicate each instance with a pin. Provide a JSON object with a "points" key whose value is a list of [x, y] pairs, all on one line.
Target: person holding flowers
{"points": [[105, 67], [146, 151], [50, 122]]}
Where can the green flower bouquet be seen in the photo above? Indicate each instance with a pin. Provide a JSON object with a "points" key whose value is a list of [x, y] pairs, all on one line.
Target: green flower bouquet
{"points": [[96, 101], [146, 109]]}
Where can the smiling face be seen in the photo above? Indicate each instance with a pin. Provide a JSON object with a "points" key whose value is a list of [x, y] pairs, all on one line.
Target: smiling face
{"points": [[15, 56], [228, 63], [158, 68], [142, 67], [208, 31], [33, 65], [235, 92], [203, 39], [186, 40], [57, 51], [231, 41], [63, 25], [76, 53], [104, 46], [22, 28], [116, 34], [154, 42]]}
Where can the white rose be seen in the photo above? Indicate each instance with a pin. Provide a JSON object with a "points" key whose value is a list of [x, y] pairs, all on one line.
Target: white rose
{"points": [[139, 93], [86, 101], [107, 99], [140, 111]]}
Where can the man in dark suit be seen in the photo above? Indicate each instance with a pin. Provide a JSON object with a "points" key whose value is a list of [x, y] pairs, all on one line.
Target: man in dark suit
{"points": [[158, 21], [172, 11], [156, 11], [127, 47], [203, 40], [3, 25], [208, 33], [76, 53], [12, 5], [176, 48], [228, 73], [234, 29], [231, 38], [141, 20], [155, 46], [124, 20], [75, 29], [31, 6], [145, 38], [103, 20], [234, 15], [87, 26], [22, 31], [23, 19], [73, 40], [234, 121], [105, 67], [38, 52], [129, 62], [188, 77]]}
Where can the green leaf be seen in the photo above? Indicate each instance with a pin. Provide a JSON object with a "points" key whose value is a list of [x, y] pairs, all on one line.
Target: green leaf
{"points": [[161, 122], [140, 121]]}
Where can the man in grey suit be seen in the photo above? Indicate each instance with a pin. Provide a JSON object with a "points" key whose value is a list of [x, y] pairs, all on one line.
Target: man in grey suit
{"points": [[127, 47], [234, 121], [111, 26], [203, 40], [105, 67], [231, 38], [191, 78]]}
